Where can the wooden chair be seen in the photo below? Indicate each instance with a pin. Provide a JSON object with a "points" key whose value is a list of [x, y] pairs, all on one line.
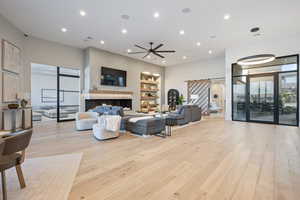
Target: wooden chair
{"points": [[13, 155]]}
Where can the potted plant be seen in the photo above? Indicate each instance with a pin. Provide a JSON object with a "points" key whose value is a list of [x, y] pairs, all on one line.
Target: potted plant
{"points": [[181, 100]]}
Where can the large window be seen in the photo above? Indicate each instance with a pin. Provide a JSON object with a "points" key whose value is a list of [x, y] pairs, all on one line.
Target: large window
{"points": [[55, 93], [266, 93]]}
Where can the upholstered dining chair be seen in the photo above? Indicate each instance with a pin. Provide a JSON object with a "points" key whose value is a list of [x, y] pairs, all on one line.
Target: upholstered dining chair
{"points": [[13, 155]]}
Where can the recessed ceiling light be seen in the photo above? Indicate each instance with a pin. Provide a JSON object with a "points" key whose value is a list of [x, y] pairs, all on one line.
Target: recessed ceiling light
{"points": [[184, 57], [181, 32], [129, 50], [227, 16], [149, 57], [156, 15], [198, 44], [124, 31], [210, 52], [186, 10], [163, 61], [102, 42], [82, 13], [126, 17], [64, 30]]}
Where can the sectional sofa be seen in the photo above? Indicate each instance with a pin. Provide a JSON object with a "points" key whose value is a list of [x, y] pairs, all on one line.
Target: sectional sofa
{"points": [[186, 114]]}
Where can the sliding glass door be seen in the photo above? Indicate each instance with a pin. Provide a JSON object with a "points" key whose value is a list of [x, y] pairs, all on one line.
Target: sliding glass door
{"points": [[267, 93]]}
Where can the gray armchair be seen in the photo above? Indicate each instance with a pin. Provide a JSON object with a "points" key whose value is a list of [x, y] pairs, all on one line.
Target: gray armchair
{"points": [[182, 115], [196, 113], [186, 114]]}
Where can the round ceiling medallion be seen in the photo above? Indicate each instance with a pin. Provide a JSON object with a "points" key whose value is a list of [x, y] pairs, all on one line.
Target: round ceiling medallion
{"points": [[256, 59]]}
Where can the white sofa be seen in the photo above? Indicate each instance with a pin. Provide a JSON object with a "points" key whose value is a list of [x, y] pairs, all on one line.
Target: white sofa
{"points": [[85, 120]]}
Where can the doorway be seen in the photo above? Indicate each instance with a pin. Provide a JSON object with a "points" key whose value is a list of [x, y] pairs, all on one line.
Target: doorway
{"points": [[266, 93], [55, 93], [261, 90]]}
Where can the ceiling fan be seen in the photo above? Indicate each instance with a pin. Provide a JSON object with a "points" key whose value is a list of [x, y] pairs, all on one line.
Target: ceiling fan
{"points": [[152, 50]]}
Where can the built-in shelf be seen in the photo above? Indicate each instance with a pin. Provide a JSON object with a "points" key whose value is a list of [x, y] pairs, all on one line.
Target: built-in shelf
{"points": [[145, 90], [149, 82], [150, 87], [149, 98]]}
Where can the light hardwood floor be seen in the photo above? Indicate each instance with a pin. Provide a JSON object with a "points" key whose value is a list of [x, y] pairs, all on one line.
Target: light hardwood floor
{"points": [[213, 159]]}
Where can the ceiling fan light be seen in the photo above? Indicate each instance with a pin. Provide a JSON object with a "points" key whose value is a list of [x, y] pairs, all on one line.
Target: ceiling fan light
{"points": [[256, 59]]}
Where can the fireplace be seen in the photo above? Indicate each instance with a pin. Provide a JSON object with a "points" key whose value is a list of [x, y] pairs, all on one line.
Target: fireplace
{"points": [[92, 103]]}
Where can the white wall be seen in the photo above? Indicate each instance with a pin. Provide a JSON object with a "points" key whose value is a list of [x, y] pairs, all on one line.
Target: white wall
{"points": [[52, 53], [280, 47], [98, 58], [175, 76]]}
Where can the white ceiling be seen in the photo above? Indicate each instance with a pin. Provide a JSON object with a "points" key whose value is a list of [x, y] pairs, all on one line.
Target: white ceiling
{"points": [[45, 18]]}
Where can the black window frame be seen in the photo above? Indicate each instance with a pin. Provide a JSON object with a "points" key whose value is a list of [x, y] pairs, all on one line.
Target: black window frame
{"points": [[276, 120]]}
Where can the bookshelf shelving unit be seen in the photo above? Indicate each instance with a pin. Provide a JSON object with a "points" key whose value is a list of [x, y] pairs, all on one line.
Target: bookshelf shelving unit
{"points": [[150, 92]]}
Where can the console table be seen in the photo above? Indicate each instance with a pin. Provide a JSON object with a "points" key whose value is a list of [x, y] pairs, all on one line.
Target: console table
{"points": [[11, 116]]}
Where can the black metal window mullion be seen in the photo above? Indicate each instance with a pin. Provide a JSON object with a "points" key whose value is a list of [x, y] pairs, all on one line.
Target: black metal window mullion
{"points": [[58, 96], [276, 92]]}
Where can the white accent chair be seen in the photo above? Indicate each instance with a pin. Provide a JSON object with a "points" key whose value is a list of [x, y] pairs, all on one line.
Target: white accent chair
{"points": [[108, 127], [85, 120]]}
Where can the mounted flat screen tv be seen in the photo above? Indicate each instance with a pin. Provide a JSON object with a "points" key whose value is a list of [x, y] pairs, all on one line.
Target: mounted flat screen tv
{"points": [[113, 77]]}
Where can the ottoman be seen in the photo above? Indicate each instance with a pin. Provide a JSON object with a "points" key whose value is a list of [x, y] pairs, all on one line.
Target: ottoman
{"points": [[146, 126]]}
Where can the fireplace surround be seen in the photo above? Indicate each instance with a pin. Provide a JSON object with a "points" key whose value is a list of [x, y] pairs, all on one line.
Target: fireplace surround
{"points": [[92, 103]]}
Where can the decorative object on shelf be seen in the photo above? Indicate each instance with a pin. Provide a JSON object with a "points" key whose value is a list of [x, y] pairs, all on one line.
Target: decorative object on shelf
{"points": [[11, 60], [23, 103], [152, 50], [216, 96], [256, 59], [13, 106], [173, 97]]}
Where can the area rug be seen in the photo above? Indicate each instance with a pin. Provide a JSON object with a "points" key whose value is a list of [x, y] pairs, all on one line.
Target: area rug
{"points": [[46, 178]]}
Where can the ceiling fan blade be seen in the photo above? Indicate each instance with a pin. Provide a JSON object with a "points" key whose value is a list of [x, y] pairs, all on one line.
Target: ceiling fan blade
{"points": [[137, 52], [165, 51], [140, 47], [158, 55], [146, 55], [160, 45]]}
